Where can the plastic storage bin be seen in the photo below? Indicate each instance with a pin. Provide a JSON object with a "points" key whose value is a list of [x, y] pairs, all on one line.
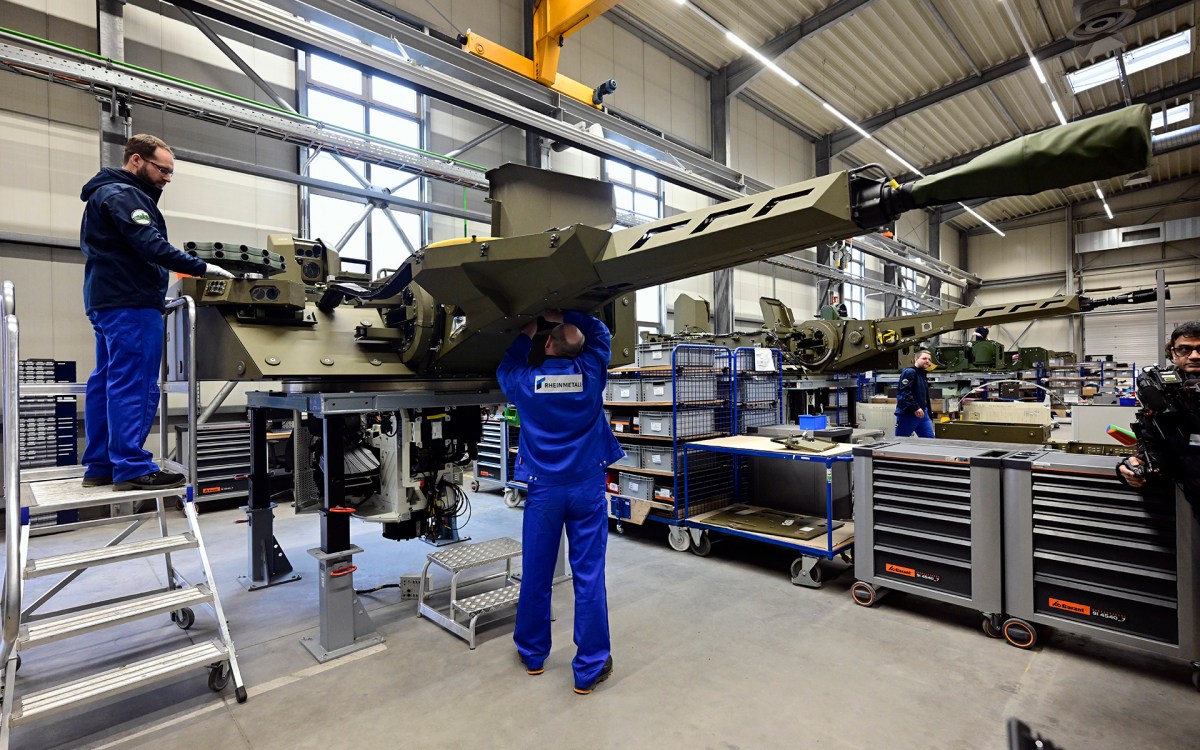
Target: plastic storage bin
{"points": [[819, 422], [636, 486]]}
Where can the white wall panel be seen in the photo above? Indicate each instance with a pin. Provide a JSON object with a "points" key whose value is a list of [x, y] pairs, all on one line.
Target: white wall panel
{"points": [[1022, 252], [766, 150]]}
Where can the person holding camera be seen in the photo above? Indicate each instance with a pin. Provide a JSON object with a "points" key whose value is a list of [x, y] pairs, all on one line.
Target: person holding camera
{"points": [[1168, 424]]}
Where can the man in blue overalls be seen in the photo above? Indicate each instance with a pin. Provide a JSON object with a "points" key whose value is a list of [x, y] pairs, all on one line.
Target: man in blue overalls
{"points": [[912, 399], [565, 449], [124, 242]]}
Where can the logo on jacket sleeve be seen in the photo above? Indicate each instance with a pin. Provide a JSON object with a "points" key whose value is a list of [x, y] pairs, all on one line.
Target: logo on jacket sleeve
{"points": [[140, 216], [558, 383]]}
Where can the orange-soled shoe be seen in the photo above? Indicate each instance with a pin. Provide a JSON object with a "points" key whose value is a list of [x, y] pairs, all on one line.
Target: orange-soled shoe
{"points": [[605, 672]]}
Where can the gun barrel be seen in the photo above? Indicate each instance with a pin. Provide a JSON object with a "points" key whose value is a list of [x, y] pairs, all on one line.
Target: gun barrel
{"points": [[1136, 297]]}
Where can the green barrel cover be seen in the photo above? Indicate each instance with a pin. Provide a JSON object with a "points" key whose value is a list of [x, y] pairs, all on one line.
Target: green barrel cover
{"points": [[1093, 149]]}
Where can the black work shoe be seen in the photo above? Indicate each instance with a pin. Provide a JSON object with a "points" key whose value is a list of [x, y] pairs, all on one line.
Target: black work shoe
{"points": [[157, 480], [97, 481], [605, 671], [528, 669]]}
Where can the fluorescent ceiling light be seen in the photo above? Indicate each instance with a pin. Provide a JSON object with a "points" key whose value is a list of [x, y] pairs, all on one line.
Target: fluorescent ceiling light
{"points": [[846, 120], [1037, 69], [1146, 56], [900, 159], [1173, 115], [1108, 210], [987, 223], [1058, 112], [761, 58]]}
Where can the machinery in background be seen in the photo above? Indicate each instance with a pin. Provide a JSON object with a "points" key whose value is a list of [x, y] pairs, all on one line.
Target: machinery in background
{"points": [[835, 344], [402, 469]]}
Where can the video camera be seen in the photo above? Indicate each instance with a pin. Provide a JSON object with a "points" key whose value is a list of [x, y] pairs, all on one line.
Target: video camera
{"points": [[1165, 390]]}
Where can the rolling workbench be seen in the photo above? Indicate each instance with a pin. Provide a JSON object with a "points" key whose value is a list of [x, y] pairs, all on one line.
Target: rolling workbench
{"points": [[744, 450]]}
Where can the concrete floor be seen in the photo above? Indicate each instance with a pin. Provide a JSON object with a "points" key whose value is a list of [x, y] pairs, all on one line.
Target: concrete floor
{"points": [[718, 652]]}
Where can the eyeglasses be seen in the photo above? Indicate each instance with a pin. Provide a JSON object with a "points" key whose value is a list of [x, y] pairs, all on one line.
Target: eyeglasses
{"points": [[166, 172], [1183, 350]]}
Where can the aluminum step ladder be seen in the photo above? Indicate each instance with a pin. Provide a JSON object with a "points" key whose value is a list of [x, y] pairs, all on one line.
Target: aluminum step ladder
{"points": [[42, 491]]}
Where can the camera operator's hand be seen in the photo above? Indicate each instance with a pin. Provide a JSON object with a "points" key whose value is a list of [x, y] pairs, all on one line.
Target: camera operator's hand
{"points": [[1129, 473]]}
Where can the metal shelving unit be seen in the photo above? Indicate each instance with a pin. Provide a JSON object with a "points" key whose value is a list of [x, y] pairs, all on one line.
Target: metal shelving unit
{"points": [[676, 395]]}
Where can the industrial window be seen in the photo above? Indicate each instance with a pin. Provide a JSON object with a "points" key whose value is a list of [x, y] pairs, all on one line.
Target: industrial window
{"points": [[639, 198], [908, 282], [855, 294], [342, 96]]}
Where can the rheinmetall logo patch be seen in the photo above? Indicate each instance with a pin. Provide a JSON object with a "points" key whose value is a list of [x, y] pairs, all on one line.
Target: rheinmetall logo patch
{"points": [[558, 384], [140, 216]]}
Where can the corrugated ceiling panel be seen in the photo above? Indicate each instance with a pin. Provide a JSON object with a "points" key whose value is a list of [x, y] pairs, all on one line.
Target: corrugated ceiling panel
{"points": [[889, 52]]}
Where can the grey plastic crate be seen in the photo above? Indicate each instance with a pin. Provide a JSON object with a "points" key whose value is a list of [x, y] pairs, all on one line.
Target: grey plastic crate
{"points": [[622, 389], [633, 456], [636, 486], [657, 458], [758, 390], [658, 389], [653, 355], [686, 423]]}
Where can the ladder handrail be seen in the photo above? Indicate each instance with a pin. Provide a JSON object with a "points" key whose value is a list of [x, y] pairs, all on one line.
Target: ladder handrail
{"points": [[9, 381], [193, 410]]}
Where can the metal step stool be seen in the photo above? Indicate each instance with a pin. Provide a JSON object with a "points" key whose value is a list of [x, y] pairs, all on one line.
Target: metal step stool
{"points": [[463, 557]]}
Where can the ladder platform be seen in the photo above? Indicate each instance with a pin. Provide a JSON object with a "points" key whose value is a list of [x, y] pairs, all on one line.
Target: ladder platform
{"points": [[105, 684], [463, 556], [68, 494], [55, 628], [488, 601], [104, 555]]}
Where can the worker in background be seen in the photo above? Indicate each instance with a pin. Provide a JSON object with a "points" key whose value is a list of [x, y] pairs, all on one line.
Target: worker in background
{"points": [[1168, 423], [565, 448], [912, 398], [126, 262], [981, 333]]}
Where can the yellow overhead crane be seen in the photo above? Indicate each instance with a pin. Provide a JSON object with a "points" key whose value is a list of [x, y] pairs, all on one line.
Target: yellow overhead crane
{"points": [[553, 22]]}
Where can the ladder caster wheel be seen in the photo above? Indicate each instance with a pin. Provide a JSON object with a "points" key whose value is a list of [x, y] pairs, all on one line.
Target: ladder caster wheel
{"points": [[1195, 675], [218, 676], [1019, 633], [703, 545], [512, 497], [184, 618], [19, 665], [241, 695], [474, 485]]}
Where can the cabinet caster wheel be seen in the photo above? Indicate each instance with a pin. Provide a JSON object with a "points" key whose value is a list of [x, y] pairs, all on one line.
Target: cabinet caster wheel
{"points": [[848, 557], [1195, 675], [184, 618], [864, 594], [1019, 633], [620, 529], [512, 498], [992, 628], [701, 545], [679, 539], [474, 485], [241, 695], [218, 676]]}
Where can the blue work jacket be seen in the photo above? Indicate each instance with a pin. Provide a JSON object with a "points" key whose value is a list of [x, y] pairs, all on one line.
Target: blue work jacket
{"points": [[564, 437], [913, 392], [123, 237]]}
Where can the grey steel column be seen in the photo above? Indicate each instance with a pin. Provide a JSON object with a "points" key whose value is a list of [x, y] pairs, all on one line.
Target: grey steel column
{"points": [[1160, 284], [723, 317], [115, 121]]}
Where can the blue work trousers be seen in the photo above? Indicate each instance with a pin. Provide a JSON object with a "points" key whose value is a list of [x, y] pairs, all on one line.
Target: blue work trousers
{"points": [[122, 393], [907, 424], [580, 507]]}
